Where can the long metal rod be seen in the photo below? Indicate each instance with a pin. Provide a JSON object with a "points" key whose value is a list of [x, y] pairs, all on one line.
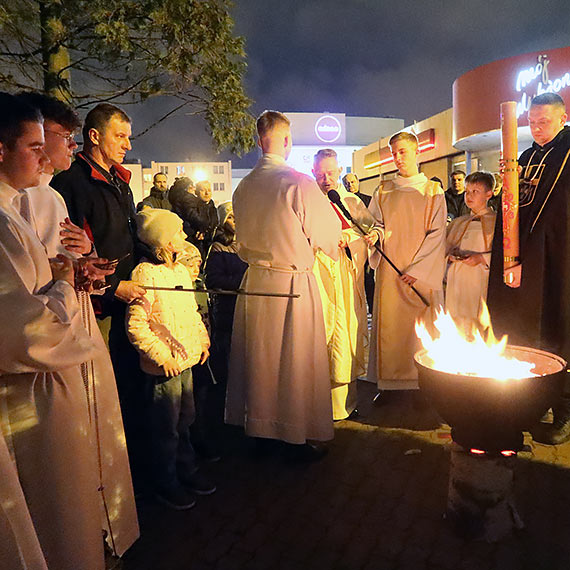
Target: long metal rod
{"points": [[181, 289], [379, 250]]}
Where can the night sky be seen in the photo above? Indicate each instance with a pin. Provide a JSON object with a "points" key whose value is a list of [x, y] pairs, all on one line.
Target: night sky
{"points": [[361, 57]]}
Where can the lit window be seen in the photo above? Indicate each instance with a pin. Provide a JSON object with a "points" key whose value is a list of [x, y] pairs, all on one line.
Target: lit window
{"points": [[179, 170]]}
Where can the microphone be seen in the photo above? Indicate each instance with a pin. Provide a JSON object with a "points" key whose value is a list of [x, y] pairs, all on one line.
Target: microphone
{"points": [[334, 197]]}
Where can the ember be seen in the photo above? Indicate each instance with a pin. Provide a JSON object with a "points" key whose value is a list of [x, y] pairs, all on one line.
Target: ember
{"points": [[471, 352]]}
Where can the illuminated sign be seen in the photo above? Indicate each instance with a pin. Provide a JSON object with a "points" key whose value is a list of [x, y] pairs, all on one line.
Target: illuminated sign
{"points": [[328, 129], [538, 74]]}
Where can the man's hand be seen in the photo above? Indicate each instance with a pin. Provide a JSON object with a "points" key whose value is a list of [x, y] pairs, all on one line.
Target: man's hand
{"points": [[513, 276], [171, 367], [128, 291], [474, 259], [62, 269], [502, 168], [371, 238], [408, 279], [74, 238], [205, 355], [91, 272]]}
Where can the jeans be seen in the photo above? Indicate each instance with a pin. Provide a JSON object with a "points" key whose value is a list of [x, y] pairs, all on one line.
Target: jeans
{"points": [[172, 414]]}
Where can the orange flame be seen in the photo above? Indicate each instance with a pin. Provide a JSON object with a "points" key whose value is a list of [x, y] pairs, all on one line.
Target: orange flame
{"points": [[473, 351]]}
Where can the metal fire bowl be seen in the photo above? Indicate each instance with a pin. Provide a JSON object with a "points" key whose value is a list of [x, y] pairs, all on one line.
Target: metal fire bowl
{"points": [[490, 407]]}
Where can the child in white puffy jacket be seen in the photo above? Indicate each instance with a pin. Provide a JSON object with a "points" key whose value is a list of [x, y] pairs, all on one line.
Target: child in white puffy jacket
{"points": [[169, 334]]}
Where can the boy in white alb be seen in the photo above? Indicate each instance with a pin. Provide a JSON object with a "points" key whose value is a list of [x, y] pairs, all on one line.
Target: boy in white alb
{"points": [[468, 249], [411, 214]]}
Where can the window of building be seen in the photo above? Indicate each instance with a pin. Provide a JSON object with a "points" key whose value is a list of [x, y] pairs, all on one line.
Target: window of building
{"points": [[222, 185], [179, 170], [164, 169]]}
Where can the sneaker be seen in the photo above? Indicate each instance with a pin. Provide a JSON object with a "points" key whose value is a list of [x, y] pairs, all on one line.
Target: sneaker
{"points": [[198, 484], [177, 498]]}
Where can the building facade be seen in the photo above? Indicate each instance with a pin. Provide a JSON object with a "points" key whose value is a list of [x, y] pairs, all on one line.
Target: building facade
{"points": [[467, 136]]}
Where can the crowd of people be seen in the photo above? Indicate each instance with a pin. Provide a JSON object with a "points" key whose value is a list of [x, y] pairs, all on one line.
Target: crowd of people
{"points": [[116, 376]]}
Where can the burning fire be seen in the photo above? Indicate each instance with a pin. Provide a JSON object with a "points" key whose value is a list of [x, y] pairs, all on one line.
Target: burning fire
{"points": [[468, 353]]}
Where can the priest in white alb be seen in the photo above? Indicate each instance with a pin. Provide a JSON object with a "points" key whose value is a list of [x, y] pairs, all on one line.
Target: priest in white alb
{"points": [[341, 283], [411, 216], [278, 384]]}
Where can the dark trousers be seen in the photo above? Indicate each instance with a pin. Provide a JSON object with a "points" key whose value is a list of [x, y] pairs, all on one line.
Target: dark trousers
{"points": [[135, 397], [172, 414]]}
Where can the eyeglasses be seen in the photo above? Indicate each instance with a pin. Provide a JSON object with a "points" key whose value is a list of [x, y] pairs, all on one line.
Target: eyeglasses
{"points": [[69, 138]]}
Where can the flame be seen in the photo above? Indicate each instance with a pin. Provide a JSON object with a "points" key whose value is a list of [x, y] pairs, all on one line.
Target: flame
{"points": [[464, 350]]}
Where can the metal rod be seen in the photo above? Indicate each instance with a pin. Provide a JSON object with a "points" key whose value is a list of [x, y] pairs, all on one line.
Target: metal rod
{"points": [[179, 288], [378, 248]]}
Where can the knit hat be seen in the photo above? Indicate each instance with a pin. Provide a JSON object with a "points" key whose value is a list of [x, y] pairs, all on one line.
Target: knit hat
{"points": [[224, 210], [157, 227]]}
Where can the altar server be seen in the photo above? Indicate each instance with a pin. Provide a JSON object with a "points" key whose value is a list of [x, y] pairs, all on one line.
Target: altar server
{"points": [[411, 216], [278, 383]]}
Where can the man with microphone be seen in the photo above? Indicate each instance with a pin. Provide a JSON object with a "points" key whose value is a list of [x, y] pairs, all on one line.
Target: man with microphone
{"points": [[341, 283]]}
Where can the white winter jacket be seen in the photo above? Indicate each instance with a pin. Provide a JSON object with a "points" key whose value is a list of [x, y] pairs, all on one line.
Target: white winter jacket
{"points": [[165, 323]]}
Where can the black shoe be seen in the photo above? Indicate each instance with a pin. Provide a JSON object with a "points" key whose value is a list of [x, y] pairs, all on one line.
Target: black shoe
{"points": [[559, 431], [207, 452], [354, 415], [381, 398], [198, 484], [176, 498], [550, 434], [305, 453]]}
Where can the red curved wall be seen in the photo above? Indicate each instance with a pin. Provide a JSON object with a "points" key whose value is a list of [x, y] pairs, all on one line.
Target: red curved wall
{"points": [[478, 93]]}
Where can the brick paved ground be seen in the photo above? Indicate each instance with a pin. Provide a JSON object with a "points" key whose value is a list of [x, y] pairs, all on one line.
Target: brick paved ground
{"points": [[367, 506]]}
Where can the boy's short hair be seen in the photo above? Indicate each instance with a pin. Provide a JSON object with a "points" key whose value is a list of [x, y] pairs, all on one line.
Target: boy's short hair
{"points": [[99, 117], [52, 109], [324, 153], [13, 113], [268, 120], [482, 177], [549, 99], [456, 172], [404, 136]]}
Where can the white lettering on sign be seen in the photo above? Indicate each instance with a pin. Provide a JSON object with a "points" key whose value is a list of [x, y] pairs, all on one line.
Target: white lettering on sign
{"points": [[328, 129], [544, 85]]}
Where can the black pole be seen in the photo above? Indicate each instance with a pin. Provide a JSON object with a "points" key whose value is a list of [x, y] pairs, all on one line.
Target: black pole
{"points": [[335, 199]]}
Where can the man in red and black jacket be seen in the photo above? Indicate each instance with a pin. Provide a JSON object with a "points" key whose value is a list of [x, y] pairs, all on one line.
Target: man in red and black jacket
{"points": [[98, 198]]}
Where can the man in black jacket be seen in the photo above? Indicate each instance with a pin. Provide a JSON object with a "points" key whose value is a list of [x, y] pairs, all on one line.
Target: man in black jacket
{"points": [[198, 213], [455, 196], [158, 197], [99, 199], [531, 301]]}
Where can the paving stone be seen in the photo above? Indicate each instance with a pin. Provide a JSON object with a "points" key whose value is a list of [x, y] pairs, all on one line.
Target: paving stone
{"points": [[367, 506]]}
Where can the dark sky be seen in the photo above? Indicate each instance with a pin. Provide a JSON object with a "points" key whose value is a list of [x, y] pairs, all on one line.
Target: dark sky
{"points": [[362, 57]]}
